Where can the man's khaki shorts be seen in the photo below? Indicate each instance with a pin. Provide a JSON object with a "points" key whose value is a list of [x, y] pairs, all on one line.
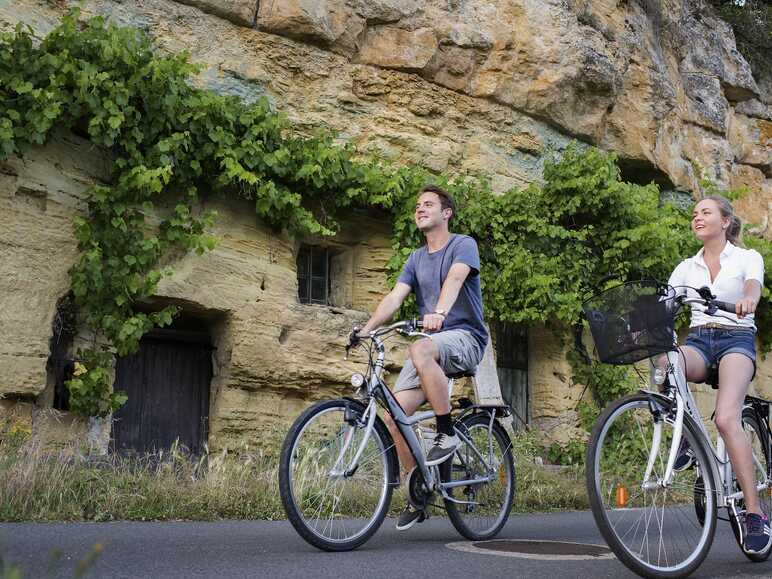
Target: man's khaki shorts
{"points": [[459, 352]]}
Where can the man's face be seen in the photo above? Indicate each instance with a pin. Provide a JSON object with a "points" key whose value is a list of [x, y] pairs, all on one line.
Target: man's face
{"points": [[429, 213]]}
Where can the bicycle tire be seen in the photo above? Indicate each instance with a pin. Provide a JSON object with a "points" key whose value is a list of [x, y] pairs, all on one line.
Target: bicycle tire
{"points": [[380, 450], [635, 513], [463, 463], [749, 419]]}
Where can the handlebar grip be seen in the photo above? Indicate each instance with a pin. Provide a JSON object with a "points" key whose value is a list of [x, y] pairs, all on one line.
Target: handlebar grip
{"points": [[725, 306]]}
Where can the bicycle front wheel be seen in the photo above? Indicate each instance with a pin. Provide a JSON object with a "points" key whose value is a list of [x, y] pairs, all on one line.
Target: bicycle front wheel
{"points": [[657, 528], [331, 507], [485, 461]]}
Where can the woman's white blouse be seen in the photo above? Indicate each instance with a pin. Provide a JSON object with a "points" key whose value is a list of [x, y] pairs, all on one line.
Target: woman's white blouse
{"points": [[738, 265]]}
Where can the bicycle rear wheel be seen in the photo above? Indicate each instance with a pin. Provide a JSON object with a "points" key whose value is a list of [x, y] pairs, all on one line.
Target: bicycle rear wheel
{"points": [[663, 530], [488, 503], [331, 509], [756, 436]]}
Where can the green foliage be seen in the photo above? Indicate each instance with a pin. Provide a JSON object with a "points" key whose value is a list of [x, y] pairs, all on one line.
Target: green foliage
{"points": [[90, 387], [567, 454], [751, 21], [763, 315], [606, 382]]}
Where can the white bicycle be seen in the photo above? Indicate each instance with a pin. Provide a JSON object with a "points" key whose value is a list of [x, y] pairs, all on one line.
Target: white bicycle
{"points": [[660, 519]]}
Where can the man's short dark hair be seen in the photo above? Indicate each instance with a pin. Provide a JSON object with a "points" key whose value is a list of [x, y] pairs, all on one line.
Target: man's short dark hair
{"points": [[446, 201]]}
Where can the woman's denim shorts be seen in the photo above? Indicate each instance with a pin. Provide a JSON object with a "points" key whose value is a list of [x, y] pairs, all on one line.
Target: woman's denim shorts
{"points": [[715, 343]]}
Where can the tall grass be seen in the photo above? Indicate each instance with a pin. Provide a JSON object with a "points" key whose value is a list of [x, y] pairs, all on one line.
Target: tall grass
{"points": [[38, 484]]}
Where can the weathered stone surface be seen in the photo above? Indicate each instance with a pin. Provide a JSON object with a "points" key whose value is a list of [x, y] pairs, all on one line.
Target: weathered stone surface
{"points": [[395, 48], [754, 108], [326, 21], [553, 395], [613, 74], [751, 141], [39, 196], [242, 12], [383, 11]]}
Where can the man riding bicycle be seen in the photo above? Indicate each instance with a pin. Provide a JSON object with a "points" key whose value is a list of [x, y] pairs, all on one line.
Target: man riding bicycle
{"points": [[444, 274]]}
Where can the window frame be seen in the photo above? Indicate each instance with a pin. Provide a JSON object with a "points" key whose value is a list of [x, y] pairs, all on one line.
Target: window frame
{"points": [[308, 274]]}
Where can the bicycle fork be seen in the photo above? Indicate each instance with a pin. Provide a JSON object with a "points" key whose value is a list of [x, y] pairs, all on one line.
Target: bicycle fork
{"points": [[659, 420], [369, 415]]}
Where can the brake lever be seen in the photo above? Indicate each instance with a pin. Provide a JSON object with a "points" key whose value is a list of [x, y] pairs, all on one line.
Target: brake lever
{"points": [[706, 294]]}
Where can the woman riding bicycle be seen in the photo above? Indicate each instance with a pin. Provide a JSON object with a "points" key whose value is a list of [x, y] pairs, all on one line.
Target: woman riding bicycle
{"points": [[726, 346]]}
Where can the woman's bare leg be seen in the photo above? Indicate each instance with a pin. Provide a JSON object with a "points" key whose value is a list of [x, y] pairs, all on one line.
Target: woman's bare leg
{"points": [[693, 364], [734, 375]]}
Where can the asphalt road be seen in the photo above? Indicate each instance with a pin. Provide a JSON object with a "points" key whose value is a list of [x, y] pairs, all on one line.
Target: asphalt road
{"points": [[273, 550]]}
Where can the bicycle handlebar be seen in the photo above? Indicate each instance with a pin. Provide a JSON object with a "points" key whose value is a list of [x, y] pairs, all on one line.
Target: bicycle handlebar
{"points": [[709, 300], [406, 327], [725, 306]]}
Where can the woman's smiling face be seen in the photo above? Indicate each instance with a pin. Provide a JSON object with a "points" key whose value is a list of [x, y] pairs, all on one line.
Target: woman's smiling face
{"points": [[707, 221]]}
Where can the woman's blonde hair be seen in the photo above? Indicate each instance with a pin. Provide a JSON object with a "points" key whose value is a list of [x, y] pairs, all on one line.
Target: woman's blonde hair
{"points": [[734, 233]]}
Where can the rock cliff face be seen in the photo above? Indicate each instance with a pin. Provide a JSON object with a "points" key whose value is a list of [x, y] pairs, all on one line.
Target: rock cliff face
{"points": [[454, 85]]}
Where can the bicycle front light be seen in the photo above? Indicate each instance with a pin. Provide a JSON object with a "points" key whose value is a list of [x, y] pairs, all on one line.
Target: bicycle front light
{"points": [[357, 380]]}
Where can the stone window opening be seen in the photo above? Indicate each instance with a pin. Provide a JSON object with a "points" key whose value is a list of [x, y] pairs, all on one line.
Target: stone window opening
{"points": [[324, 275]]}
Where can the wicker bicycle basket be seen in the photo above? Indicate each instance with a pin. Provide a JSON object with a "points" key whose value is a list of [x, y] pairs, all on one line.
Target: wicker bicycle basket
{"points": [[632, 321]]}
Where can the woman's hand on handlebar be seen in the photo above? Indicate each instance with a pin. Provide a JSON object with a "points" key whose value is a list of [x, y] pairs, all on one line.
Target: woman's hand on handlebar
{"points": [[745, 306]]}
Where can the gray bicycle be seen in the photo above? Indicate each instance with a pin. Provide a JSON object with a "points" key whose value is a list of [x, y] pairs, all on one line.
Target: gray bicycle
{"points": [[339, 466]]}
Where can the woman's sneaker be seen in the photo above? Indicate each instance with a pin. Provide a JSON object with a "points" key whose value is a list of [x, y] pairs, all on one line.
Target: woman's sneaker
{"points": [[409, 517], [757, 534]]}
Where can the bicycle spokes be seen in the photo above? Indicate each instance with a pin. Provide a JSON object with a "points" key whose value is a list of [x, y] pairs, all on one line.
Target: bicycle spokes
{"points": [[656, 522]]}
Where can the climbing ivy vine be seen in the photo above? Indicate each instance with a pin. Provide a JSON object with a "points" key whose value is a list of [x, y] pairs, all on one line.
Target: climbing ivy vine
{"points": [[544, 248]]}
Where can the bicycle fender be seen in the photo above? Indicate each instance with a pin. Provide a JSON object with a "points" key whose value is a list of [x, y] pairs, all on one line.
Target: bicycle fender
{"points": [[357, 407], [500, 411]]}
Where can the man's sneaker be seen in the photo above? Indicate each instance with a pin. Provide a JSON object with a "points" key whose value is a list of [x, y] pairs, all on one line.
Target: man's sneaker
{"points": [[757, 535], [685, 456], [410, 517], [443, 448]]}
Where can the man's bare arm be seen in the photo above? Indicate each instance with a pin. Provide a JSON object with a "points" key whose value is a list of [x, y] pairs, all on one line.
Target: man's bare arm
{"points": [[388, 306], [448, 295]]}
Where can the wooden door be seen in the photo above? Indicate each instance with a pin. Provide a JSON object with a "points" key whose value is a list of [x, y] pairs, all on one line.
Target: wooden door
{"points": [[512, 367], [167, 382]]}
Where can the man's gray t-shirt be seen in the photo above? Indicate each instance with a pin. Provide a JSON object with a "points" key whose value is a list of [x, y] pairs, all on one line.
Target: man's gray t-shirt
{"points": [[425, 273]]}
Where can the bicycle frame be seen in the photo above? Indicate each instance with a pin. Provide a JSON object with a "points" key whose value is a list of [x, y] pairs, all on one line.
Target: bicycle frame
{"points": [[720, 464], [377, 390]]}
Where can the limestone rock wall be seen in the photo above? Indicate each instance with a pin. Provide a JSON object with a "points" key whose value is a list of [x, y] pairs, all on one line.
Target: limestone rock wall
{"points": [[39, 195], [554, 396], [272, 353], [485, 84]]}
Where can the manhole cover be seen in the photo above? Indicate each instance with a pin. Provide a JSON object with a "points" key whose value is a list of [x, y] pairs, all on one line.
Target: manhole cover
{"points": [[529, 549]]}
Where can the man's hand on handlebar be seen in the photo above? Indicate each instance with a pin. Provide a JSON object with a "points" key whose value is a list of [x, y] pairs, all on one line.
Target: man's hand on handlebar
{"points": [[433, 322], [353, 337]]}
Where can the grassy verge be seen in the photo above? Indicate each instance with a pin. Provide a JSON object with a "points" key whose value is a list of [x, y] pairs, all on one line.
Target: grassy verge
{"points": [[41, 485]]}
